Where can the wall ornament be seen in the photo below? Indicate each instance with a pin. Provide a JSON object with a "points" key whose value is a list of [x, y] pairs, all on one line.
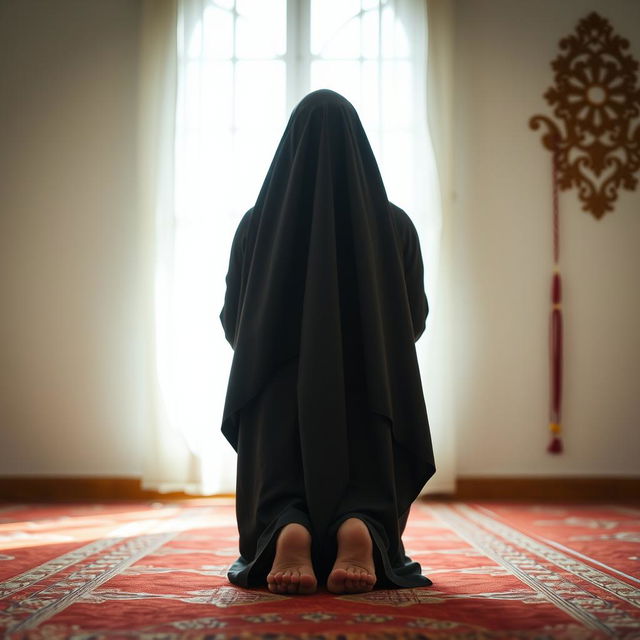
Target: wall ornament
{"points": [[595, 146]]}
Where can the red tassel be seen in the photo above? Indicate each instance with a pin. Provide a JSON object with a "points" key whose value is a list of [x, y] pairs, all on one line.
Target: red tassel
{"points": [[555, 446], [556, 364], [556, 289], [555, 324]]}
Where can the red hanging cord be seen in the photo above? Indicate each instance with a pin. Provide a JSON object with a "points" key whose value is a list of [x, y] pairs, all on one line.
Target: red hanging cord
{"points": [[555, 325]]}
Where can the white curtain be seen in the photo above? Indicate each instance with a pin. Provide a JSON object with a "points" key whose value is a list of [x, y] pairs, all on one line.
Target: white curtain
{"points": [[184, 450], [436, 348], [193, 196]]}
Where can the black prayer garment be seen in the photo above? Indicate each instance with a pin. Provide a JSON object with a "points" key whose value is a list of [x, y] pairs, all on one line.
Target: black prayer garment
{"points": [[324, 302]]}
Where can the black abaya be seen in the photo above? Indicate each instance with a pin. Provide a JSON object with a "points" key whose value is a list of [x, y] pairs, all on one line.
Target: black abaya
{"points": [[325, 299]]}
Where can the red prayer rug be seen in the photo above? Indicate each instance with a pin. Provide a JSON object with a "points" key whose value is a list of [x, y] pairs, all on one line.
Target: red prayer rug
{"points": [[156, 571]]}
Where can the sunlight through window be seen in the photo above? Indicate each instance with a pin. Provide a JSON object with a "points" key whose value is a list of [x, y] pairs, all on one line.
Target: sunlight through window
{"points": [[243, 65]]}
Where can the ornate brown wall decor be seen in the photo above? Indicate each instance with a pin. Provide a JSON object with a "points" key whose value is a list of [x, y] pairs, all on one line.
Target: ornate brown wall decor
{"points": [[596, 97], [596, 149]]}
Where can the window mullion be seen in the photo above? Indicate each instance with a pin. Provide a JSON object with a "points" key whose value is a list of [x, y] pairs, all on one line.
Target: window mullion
{"points": [[298, 56]]}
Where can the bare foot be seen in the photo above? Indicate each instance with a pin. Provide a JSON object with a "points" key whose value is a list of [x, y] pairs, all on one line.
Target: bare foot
{"points": [[353, 570], [292, 571]]}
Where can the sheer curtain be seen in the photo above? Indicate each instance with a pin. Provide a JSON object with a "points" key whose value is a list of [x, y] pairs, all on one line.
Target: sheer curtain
{"points": [[184, 268], [205, 150], [435, 349]]}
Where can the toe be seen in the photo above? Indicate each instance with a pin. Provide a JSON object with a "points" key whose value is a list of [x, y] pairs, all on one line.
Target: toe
{"points": [[307, 583], [336, 579]]}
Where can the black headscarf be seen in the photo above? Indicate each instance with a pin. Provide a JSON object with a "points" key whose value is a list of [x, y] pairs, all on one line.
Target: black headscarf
{"points": [[323, 189]]}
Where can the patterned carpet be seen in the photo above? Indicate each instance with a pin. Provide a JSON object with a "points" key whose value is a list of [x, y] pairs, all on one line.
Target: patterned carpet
{"points": [[156, 571]]}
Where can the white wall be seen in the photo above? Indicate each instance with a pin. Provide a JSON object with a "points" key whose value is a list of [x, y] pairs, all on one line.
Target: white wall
{"points": [[71, 380], [70, 383], [502, 245]]}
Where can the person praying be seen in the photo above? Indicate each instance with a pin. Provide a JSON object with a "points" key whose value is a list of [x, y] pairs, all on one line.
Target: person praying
{"points": [[324, 406]]}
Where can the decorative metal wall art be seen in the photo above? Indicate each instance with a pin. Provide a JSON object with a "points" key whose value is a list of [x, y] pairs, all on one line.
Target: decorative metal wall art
{"points": [[596, 98], [595, 148]]}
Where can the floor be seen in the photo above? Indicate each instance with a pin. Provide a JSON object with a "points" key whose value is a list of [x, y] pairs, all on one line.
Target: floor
{"points": [[156, 571]]}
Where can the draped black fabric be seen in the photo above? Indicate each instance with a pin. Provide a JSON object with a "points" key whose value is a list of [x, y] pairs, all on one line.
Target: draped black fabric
{"points": [[325, 299]]}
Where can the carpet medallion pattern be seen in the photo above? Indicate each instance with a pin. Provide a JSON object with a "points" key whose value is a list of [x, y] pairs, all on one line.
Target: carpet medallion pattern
{"points": [[157, 571]]}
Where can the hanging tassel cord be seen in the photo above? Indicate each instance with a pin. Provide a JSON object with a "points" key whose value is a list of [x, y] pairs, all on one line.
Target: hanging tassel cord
{"points": [[555, 326]]}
